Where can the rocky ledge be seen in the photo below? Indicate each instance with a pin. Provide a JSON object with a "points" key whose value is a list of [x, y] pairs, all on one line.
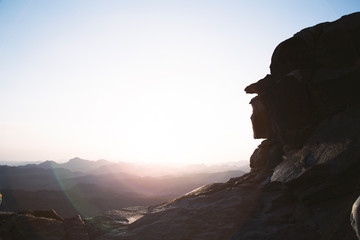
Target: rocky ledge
{"points": [[304, 176], [41, 225]]}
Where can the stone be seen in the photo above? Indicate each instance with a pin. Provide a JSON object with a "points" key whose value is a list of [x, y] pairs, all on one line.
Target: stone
{"points": [[313, 76], [52, 214], [355, 217], [24, 226], [267, 155], [260, 86], [293, 53], [75, 228], [260, 118]]}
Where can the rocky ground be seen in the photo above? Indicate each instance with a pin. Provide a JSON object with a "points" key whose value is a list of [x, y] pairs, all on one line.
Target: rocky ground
{"points": [[305, 174]]}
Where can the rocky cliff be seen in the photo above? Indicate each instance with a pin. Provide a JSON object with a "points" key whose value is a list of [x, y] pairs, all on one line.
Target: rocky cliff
{"points": [[305, 174]]}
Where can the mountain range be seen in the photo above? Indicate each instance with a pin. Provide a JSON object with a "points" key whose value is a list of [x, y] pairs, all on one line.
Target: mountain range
{"points": [[102, 185]]}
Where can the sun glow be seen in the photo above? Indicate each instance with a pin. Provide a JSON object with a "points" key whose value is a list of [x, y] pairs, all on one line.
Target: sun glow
{"points": [[133, 81]]}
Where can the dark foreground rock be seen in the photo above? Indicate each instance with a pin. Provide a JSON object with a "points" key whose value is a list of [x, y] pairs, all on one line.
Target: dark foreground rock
{"points": [[75, 228], [304, 176], [26, 226]]}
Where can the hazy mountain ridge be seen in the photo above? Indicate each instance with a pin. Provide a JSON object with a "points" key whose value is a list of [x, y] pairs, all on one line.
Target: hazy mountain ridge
{"points": [[103, 184], [101, 166]]}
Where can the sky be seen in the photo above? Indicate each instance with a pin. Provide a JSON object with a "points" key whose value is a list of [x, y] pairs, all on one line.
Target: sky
{"points": [[140, 81]]}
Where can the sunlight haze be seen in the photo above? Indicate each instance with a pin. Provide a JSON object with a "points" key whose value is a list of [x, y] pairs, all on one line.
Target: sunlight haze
{"points": [[139, 81]]}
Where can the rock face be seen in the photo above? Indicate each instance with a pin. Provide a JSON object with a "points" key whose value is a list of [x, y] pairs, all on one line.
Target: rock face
{"points": [[313, 76], [304, 176], [75, 228], [355, 217], [41, 225], [27, 226]]}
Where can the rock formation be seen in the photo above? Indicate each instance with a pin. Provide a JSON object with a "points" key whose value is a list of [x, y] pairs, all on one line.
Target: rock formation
{"points": [[27, 226], [355, 217], [304, 176]]}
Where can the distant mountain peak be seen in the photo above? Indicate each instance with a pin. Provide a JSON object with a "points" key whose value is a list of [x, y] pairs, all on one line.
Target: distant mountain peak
{"points": [[77, 159], [48, 164]]}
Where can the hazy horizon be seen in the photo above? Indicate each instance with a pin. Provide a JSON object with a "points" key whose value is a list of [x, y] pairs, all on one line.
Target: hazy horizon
{"points": [[138, 81], [103, 166], [238, 163]]}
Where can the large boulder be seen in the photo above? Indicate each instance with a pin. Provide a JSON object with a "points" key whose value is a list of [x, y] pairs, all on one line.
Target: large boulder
{"points": [[26, 226], [314, 75], [75, 228], [52, 214]]}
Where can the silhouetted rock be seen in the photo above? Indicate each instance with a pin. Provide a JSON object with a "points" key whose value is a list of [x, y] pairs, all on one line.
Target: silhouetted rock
{"points": [[75, 228], [355, 217], [313, 76], [267, 155], [41, 225], [25, 226], [43, 213]]}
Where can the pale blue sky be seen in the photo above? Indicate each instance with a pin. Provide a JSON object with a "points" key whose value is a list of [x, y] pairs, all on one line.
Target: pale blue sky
{"points": [[140, 81]]}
